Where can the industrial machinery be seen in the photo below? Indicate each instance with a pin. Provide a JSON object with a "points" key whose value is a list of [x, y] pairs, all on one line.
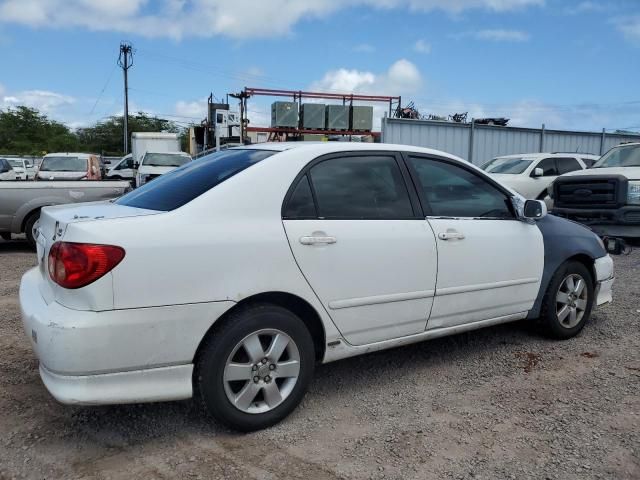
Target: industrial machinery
{"points": [[361, 118], [284, 114], [337, 117], [312, 115]]}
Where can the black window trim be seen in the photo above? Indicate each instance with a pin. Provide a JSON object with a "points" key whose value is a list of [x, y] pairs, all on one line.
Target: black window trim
{"points": [[424, 202], [397, 156]]}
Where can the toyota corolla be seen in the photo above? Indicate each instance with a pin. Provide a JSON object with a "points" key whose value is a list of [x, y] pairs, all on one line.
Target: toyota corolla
{"points": [[231, 277]]}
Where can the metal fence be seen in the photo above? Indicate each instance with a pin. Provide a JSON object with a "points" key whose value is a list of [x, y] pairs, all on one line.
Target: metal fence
{"points": [[480, 143]]}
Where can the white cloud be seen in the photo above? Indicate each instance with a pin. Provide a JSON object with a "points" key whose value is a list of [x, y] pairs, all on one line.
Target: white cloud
{"points": [[402, 77], [45, 101], [206, 18], [587, 7], [501, 35], [422, 47], [364, 48], [196, 109], [629, 26]]}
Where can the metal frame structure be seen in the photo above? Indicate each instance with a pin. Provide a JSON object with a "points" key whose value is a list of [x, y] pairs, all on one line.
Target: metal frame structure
{"points": [[278, 133]]}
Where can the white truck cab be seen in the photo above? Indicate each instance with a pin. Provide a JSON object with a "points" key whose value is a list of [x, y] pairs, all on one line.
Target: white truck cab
{"points": [[606, 197]]}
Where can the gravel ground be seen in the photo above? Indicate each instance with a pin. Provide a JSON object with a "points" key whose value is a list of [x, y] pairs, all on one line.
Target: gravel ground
{"points": [[499, 403]]}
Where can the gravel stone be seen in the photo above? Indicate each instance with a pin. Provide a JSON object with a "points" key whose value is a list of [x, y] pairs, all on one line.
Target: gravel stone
{"points": [[503, 402]]}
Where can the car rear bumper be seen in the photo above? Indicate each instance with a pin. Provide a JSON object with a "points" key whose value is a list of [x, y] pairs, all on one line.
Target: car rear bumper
{"points": [[149, 385], [115, 356]]}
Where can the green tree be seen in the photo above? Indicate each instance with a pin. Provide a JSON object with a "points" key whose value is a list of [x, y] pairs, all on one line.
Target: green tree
{"points": [[106, 137], [25, 131]]}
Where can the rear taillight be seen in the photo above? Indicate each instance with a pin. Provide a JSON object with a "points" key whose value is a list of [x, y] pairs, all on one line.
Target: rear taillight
{"points": [[75, 265]]}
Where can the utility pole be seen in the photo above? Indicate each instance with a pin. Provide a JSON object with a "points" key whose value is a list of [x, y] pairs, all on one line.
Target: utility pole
{"points": [[242, 96], [125, 60]]}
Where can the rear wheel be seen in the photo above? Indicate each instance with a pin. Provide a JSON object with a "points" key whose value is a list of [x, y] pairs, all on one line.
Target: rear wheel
{"points": [[255, 369], [28, 228], [567, 305]]}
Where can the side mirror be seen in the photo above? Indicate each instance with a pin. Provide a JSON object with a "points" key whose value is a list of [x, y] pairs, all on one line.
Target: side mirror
{"points": [[537, 172], [535, 209]]}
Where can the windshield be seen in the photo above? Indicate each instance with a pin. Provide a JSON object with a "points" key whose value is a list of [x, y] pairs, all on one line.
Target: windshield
{"points": [[506, 165], [165, 159], [180, 186], [623, 156], [63, 164]]}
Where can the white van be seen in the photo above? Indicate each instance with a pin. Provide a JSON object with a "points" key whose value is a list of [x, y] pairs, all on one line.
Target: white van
{"points": [[123, 169], [154, 164]]}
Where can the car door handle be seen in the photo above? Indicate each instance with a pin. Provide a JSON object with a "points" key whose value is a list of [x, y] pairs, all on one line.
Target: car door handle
{"points": [[451, 235], [318, 240]]}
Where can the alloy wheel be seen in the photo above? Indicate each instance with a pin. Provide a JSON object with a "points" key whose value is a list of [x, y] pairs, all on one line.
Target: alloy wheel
{"points": [[571, 300], [261, 371]]}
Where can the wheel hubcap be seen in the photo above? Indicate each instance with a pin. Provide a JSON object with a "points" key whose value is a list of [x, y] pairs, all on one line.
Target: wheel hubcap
{"points": [[571, 300], [261, 371]]}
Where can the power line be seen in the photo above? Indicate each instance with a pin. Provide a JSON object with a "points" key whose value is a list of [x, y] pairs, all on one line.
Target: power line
{"points": [[103, 89]]}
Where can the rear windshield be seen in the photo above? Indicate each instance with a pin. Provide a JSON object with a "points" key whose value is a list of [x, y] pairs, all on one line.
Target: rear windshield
{"points": [[180, 186], [63, 164], [506, 165], [165, 159]]}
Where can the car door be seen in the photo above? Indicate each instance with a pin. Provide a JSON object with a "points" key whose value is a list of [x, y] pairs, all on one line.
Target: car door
{"points": [[360, 240], [489, 262]]}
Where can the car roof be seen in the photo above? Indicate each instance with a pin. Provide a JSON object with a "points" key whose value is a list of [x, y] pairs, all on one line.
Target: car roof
{"points": [[69, 154], [332, 147], [534, 156]]}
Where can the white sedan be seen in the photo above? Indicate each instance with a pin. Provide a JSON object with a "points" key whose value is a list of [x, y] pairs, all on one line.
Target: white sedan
{"points": [[232, 276]]}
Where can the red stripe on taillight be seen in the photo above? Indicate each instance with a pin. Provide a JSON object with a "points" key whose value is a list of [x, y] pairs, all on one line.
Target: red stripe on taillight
{"points": [[75, 265]]}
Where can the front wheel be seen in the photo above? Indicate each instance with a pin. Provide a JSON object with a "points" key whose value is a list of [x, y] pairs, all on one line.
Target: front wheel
{"points": [[255, 369], [568, 302]]}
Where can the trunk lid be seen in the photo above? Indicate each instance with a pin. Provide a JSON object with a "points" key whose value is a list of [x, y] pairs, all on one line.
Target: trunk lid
{"points": [[53, 224]]}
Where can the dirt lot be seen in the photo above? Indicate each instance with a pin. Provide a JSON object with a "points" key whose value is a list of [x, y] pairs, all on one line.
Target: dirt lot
{"points": [[496, 404]]}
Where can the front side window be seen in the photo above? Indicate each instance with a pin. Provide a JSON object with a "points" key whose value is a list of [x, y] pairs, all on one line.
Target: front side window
{"points": [[452, 191], [548, 166], [180, 186], [566, 165], [360, 187], [63, 164]]}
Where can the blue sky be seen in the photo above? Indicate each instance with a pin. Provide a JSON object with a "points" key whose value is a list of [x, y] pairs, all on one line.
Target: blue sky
{"points": [[569, 64]]}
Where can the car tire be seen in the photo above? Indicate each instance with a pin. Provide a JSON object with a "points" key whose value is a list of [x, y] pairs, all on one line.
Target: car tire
{"points": [[28, 228], [568, 301], [242, 390]]}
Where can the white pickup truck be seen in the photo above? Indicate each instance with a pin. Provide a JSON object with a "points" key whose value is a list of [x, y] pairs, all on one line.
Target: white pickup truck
{"points": [[606, 197], [20, 202]]}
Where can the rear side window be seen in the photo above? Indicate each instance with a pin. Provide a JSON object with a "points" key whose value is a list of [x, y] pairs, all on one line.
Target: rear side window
{"points": [[360, 187], [300, 204], [548, 166], [178, 187], [452, 191], [566, 165]]}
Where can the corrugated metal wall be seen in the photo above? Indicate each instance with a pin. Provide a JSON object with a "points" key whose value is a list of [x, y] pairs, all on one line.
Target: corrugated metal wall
{"points": [[492, 141]]}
